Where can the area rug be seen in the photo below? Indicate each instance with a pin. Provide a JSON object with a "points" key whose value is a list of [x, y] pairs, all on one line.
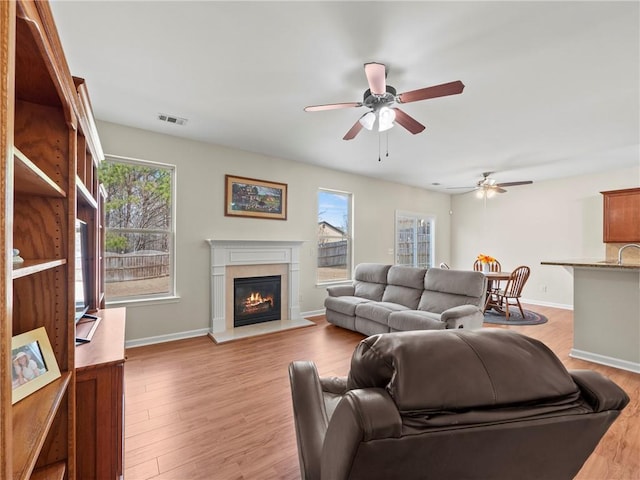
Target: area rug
{"points": [[530, 318]]}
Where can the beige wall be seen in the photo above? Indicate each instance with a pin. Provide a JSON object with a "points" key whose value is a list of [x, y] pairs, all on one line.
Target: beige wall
{"points": [[551, 220], [200, 171]]}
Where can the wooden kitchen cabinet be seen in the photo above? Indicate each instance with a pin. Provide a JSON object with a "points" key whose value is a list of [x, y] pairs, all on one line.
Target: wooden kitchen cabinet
{"points": [[622, 216], [100, 400]]}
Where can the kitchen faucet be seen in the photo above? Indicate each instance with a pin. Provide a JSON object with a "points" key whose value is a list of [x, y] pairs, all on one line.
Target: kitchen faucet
{"points": [[622, 248]]}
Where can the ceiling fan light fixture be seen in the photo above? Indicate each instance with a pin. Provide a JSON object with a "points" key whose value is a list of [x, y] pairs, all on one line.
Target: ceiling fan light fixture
{"points": [[480, 193], [490, 192], [386, 117], [367, 120]]}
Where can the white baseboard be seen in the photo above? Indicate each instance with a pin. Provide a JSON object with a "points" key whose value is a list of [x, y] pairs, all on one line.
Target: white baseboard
{"points": [[139, 342], [604, 360], [312, 313], [546, 304]]}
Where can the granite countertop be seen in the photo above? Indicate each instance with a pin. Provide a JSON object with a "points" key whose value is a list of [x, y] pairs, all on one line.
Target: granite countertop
{"points": [[593, 263]]}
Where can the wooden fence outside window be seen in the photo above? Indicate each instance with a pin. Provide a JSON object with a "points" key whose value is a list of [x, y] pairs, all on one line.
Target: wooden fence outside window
{"points": [[126, 267]]}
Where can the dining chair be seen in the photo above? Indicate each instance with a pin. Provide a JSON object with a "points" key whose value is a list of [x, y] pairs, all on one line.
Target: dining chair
{"points": [[493, 266], [444, 265], [501, 299], [492, 285]]}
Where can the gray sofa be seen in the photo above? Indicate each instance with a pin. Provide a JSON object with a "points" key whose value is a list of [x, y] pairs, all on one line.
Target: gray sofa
{"points": [[386, 298]]}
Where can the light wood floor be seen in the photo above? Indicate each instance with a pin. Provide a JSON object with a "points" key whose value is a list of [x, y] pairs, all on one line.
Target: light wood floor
{"points": [[197, 410]]}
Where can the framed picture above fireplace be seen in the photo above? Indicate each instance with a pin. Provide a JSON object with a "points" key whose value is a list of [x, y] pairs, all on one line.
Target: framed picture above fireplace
{"points": [[250, 197]]}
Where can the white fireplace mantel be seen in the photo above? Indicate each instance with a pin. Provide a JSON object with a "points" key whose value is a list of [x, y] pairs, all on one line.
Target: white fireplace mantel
{"points": [[229, 253]]}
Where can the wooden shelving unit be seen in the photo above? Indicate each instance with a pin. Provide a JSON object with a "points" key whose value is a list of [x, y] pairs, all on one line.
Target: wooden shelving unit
{"points": [[50, 154]]}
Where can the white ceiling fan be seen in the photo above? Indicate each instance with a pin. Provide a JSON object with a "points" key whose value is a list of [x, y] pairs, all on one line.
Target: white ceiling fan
{"points": [[381, 99], [487, 186]]}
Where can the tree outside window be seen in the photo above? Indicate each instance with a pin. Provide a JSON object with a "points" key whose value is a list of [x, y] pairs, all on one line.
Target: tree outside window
{"points": [[139, 228]]}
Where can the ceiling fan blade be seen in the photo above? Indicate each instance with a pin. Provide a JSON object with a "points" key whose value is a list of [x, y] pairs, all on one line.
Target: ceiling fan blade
{"points": [[353, 131], [408, 122], [451, 88], [376, 76], [498, 189], [513, 184], [331, 106]]}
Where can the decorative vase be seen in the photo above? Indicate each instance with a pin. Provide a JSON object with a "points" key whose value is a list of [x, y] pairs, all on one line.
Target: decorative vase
{"points": [[485, 267]]}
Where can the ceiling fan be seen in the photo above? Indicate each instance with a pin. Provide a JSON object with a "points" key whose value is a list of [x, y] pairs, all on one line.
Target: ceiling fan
{"points": [[380, 98], [487, 186]]}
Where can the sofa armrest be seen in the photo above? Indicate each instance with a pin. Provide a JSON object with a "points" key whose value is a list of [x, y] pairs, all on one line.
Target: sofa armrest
{"points": [[309, 415], [463, 316], [341, 290], [601, 393]]}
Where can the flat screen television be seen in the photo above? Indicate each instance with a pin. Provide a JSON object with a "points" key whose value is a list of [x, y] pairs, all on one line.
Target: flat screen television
{"points": [[83, 283]]}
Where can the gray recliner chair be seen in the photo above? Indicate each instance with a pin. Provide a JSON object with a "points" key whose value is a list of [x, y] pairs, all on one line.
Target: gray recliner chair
{"points": [[450, 404]]}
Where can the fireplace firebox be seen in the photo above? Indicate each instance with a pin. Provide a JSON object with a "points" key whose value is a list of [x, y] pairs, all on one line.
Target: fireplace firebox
{"points": [[256, 300]]}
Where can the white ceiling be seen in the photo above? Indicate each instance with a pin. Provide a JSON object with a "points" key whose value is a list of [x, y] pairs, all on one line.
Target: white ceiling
{"points": [[552, 88]]}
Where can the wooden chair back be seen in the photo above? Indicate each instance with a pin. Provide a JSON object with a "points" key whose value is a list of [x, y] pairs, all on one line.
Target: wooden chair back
{"points": [[516, 282], [493, 266]]}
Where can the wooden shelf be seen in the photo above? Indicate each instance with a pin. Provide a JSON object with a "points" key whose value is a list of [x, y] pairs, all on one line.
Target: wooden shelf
{"points": [[29, 267], [32, 418], [55, 471], [84, 194], [29, 179]]}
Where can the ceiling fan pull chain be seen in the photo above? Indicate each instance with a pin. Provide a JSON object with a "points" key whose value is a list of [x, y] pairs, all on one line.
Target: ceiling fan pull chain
{"points": [[379, 147], [387, 135]]}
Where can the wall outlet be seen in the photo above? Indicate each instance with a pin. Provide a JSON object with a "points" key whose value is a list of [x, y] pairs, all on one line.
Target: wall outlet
{"points": [[390, 251], [543, 288]]}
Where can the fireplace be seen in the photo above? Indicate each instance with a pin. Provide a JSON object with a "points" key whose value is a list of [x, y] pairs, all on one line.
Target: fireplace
{"points": [[232, 259], [256, 300]]}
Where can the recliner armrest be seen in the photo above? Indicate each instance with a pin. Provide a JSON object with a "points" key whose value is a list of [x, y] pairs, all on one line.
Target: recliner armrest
{"points": [[341, 290], [310, 416], [337, 385], [469, 316], [362, 415], [601, 393]]}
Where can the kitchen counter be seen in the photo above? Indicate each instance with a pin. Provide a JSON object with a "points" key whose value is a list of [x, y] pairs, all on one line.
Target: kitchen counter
{"points": [[594, 263], [606, 312]]}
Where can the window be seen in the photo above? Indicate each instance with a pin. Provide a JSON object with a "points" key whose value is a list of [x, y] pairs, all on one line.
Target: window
{"points": [[334, 236], [414, 239], [139, 233]]}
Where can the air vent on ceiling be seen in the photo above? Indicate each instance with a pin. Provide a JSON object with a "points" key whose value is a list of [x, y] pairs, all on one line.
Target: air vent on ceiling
{"points": [[171, 119]]}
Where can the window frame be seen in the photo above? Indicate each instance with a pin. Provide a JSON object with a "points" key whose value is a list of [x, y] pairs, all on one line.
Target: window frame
{"points": [[164, 297], [429, 218], [349, 235]]}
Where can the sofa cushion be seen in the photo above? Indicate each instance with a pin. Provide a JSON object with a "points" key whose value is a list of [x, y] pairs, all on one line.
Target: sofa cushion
{"points": [[404, 276], [404, 285], [346, 304], [378, 311], [415, 320], [445, 289], [370, 291], [420, 370], [458, 282], [370, 280]]}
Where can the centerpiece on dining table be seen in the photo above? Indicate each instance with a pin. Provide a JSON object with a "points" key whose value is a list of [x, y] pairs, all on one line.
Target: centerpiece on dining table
{"points": [[486, 261]]}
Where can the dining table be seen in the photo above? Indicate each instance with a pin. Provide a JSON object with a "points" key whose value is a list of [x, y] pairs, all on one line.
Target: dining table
{"points": [[495, 278]]}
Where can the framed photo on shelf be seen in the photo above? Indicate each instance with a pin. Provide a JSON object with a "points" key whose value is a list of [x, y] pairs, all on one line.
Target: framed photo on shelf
{"points": [[33, 364], [249, 197]]}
